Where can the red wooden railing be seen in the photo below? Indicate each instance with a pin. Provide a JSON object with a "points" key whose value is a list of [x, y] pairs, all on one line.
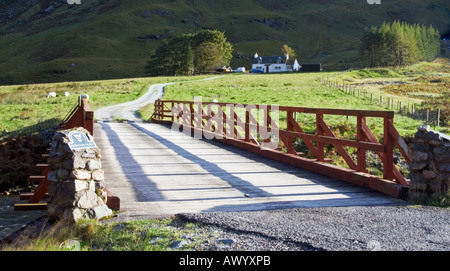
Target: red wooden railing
{"points": [[80, 116], [239, 125]]}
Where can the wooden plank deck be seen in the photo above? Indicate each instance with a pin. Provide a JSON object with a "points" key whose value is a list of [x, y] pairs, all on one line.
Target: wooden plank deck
{"points": [[157, 172]]}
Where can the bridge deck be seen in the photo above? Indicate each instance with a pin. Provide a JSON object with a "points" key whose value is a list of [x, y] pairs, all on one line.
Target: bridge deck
{"points": [[157, 172]]}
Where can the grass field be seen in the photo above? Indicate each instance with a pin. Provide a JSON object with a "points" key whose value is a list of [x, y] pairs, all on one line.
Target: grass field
{"points": [[302, 90], [26, 105]]}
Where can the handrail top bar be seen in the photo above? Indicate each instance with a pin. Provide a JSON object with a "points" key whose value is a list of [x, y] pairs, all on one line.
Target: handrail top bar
{"points": [[327, 111]]}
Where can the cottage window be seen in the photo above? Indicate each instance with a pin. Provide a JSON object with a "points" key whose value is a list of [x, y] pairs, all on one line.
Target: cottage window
{"points": [[277, 68]]}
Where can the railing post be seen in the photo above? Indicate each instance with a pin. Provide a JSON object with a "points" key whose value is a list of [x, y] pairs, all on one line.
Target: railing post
{"points": [[361, 153], [226, 134], [319, 131], [191, 108], [289, 128], [158, 109], [247, 125], [266, 125], [388, 157], [171, 108]]}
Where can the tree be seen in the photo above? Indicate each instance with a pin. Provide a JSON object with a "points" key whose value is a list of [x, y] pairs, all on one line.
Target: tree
{"points": [[208, 57], [218, 38], [190, 53], [286, 50], [371, 46], [398, 44], [171, 58]]}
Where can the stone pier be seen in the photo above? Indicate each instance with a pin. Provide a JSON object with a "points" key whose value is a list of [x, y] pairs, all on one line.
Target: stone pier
{"points": [[430, 166], [77, 187]]}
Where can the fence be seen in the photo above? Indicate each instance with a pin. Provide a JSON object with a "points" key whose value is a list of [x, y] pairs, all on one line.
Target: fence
{"points": [[80, 115], [427, 116], [39, 128]]}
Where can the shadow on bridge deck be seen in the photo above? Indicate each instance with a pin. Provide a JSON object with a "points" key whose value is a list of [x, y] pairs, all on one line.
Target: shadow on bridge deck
{"points": [[159, 172]]}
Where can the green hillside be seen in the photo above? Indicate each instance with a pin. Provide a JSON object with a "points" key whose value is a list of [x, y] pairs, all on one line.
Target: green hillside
{"points": [[52, 41]]}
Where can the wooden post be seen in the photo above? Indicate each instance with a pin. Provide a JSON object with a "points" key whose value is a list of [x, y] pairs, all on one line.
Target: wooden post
{"points": [[290, 127], [247, 125], [191, 108], [319, 131], [361, 153], [171, 108], [438, 116], [388, 157]]}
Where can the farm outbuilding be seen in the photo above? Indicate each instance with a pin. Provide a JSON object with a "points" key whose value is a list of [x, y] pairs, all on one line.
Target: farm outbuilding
{"points": [[311, 67]]}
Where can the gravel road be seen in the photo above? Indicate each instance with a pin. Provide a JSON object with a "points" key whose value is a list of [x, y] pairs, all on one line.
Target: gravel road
{"points": [[383, 228], [129, 110]]}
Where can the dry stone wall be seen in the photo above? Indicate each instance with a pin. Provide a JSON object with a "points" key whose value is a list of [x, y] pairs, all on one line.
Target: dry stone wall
{"points": [[77, 187], [430, 166]]}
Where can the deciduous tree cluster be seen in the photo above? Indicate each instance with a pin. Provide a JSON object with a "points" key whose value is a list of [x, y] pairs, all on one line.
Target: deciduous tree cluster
{"points": [[191, 53]]}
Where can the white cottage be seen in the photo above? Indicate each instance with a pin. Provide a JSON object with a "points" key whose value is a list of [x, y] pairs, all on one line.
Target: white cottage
{"points": [[266, 64]]}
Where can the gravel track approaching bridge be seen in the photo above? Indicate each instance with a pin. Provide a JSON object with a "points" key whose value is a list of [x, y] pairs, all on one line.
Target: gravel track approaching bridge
{"points": [[350, 228]]}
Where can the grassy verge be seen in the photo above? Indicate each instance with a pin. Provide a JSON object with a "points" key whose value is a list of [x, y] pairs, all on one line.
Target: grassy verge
{"points": [[91, 235]]}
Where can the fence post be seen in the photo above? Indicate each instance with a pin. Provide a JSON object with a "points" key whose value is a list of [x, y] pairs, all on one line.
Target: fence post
{"points": [[438, 116]]}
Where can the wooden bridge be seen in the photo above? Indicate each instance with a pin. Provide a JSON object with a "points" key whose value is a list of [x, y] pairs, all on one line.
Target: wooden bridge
{"points": [[203, 157]]}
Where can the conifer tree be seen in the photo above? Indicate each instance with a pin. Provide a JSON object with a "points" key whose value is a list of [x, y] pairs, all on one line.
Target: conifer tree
{"points": [[398, 44]]}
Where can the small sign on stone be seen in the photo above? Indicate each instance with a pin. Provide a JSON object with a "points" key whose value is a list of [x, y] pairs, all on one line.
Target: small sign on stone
{"points": [[80, 141]]}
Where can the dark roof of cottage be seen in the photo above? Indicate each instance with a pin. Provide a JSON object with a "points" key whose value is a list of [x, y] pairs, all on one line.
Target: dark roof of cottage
{"points": [[269, 59]]}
